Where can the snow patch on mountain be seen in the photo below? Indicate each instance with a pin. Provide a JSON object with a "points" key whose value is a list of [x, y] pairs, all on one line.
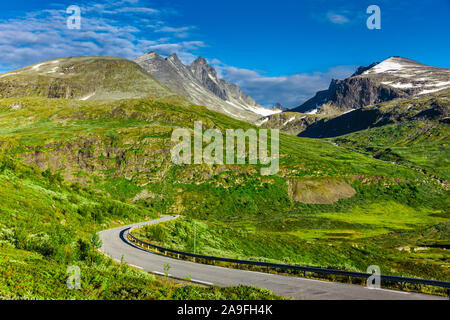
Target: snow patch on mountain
{"points": [[265, 111], [413, 77], [87, 97], [385, 66], [36, 67], [314, 111], [262, 121], [402, 85], [429, 91], [289, 120], [8, 74]]}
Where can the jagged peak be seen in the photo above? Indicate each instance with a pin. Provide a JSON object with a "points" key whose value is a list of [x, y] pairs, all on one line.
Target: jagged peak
{"points": [[152, 53], [200, 60], [201, 65], [150, 56], [200, 83], [362, 69], [175, 59]]}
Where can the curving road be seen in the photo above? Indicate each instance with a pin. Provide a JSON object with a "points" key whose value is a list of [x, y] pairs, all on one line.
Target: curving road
{"points": [[117, 246]]}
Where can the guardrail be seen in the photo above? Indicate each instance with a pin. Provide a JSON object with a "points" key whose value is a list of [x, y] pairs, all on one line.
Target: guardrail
{"points": [[348, 274]]}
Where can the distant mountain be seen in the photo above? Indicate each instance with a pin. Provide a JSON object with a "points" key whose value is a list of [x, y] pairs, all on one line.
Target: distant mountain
{"points": [[393, 78], [279, 106], [227, 91], [83, 78], [291, 123], [434, 108], [200, 84]]}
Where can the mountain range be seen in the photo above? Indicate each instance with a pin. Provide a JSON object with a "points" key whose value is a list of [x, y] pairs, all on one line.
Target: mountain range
{"points": [[332, 112], [355, 103], [199, 83], [395, 77], [151, 76]]}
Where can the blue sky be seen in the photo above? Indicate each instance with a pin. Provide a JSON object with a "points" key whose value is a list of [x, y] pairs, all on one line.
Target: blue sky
{"points": [[276, 51]]}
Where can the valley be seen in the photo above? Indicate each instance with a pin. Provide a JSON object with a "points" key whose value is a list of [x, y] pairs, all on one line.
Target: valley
{"points": [[89, 149]]}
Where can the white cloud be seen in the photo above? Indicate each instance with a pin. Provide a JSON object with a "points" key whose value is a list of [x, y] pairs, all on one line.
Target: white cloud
{"points": [[180, 32], [337, 13], [43, 35], [136, 10], [337, 18]]}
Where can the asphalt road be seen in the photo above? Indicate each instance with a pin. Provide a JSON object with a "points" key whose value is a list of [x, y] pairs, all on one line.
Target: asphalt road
{"points": [[117, 246]]}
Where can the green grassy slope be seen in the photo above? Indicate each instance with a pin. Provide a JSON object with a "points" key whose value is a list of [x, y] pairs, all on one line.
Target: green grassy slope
{"points": [[47, 225], [100, 78], [122, 149], [419, 144], [419, 140]]}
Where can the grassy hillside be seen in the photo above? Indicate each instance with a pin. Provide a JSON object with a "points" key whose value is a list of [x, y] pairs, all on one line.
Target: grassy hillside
{"points": [[99, 78], [327, 206], [418, 144], [47, 225], [419, 139]]}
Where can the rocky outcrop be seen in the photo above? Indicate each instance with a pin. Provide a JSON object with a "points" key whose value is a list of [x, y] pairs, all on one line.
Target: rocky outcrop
{"points": [[351, 93], [324, 191], [357, 92]]}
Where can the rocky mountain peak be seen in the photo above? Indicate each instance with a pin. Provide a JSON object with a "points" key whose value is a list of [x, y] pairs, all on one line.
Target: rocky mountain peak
{"points": [[362, 69], [395, 77], [207, 76], [199, 83], [202, 70], [151, 56], [200, 60], [152, 53], [392, 65], [173, 58]]}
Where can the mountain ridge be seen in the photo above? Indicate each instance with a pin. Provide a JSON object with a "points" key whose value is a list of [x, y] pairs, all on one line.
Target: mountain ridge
{"points": [[199, 83], [431, 108], [395, 77], [83, 78]]}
